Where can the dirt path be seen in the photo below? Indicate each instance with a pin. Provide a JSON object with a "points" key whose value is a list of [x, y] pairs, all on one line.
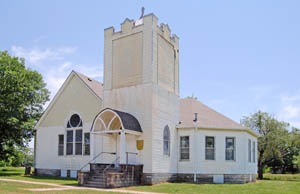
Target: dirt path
{"points": [[58, 187]]}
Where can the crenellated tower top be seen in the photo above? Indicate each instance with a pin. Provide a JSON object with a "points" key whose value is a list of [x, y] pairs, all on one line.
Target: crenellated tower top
{"points": [[141, 52], [129, 25]]}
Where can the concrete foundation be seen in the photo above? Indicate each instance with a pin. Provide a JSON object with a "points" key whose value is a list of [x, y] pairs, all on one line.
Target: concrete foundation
{"points": [[47, 172]]}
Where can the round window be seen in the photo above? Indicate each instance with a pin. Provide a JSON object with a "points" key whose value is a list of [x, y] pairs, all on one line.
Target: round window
{"points": [[75, 120]]}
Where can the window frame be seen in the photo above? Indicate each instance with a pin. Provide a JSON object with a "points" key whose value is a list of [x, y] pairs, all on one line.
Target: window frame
{"points": [[233, 150], [86, 144], [181, 148], [207, 148], [166, 141], [69, 142], [61, 146], [250, 150], [253, 152], [75, 143], [78, 141]]}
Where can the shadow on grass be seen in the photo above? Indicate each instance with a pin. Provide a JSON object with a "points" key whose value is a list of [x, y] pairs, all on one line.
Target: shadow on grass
{"points": [[54, 180], [272, 179], [282, 177], [11, 172], [18, 173]]}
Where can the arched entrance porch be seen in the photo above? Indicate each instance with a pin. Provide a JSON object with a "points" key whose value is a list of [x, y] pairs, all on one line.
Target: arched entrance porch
{"points": [[113, 135]]}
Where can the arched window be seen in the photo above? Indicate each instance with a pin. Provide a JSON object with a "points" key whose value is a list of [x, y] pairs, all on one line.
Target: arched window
{"points": [[74, 135], [166, 141], [77, 142]]}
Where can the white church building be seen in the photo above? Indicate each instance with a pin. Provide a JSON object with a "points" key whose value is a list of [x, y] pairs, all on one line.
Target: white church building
{"points": [[134, 128]]}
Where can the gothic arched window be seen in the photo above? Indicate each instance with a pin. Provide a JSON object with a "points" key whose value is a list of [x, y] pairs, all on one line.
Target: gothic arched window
{"points": [[166, 141], [74, 135]]}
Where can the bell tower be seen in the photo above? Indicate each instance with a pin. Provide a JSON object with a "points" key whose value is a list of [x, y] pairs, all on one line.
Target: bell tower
{"points": [[141, 77]]}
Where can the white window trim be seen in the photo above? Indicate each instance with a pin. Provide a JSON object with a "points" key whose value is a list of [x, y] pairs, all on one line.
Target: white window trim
{"points": [[250, 151], [234, 149], [180, 159], [213, 149]]}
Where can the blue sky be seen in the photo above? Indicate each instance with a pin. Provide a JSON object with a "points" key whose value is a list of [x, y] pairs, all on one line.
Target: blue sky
{"points": [[235, 56]]}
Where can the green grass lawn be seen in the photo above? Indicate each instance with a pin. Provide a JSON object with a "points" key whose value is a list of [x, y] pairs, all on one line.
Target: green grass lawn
{"points": [[13, 187], [273, 184], [22, 188], [18, 173]]}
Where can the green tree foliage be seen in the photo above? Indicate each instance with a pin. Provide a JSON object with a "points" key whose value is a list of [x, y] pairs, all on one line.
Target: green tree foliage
{"points": [[22, 96], [19, 156], [273, 140]]}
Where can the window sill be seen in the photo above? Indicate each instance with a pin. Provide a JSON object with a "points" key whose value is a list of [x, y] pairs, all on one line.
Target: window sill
{"points": [[184, 160], [230, 160]]}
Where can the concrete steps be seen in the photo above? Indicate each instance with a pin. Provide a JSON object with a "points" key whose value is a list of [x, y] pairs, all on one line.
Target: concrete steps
{"points": [[97, 177], [100, 176]]}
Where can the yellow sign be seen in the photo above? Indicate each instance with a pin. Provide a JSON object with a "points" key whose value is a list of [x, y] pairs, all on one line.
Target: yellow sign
{"points": [[139, 144]]}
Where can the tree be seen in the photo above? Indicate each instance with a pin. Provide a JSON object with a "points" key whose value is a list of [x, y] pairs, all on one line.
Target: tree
{"points": [[272, 141], [294, 162], [22, 96]]}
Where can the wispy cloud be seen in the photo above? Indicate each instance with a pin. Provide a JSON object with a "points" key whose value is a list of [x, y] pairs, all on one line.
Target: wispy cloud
{"points": [[290, 109], [55, 64], [35, 56]]}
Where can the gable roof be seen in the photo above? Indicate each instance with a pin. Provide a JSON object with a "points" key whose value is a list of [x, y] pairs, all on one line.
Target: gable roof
{"points": [[207, 117], [94, 86]]}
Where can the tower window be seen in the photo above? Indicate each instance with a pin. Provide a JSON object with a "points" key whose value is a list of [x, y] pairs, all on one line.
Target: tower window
{"points": [[166, 141]]}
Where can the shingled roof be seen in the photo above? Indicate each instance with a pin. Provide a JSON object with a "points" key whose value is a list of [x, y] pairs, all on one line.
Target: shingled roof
{"points": [[129, 121], [94, 85], [207, 117]]}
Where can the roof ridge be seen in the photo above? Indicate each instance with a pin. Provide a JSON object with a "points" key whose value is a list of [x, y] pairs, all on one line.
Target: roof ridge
{"points": [[209, 116], [82, 77]]}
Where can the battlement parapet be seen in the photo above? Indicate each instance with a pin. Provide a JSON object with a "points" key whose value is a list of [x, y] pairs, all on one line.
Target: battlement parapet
{"points": [[149, 21]]}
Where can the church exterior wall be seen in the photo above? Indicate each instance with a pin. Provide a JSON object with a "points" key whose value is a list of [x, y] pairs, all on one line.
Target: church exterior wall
{"points": [[75, 97], [219, 165], [165, 111], [209, 171], [136, 100], [150, 91], [47, 151]]}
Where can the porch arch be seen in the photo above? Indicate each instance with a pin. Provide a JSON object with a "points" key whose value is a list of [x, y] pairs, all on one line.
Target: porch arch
{"points": [[111, 120], [116, 123]]}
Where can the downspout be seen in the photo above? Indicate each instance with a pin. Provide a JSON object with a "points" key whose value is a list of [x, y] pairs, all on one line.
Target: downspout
{"points": [[34, 151], [195, 147]]}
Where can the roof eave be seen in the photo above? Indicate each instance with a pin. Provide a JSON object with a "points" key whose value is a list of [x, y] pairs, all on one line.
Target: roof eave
{"points": [[243, 129]]}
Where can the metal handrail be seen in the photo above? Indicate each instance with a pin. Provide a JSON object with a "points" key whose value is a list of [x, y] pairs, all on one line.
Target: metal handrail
{"points": [[107, 167], [95, 157], [113, 162]]}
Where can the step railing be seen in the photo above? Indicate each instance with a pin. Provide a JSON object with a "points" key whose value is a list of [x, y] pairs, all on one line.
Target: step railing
{"points": [[95, 157], [115, 163]]}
